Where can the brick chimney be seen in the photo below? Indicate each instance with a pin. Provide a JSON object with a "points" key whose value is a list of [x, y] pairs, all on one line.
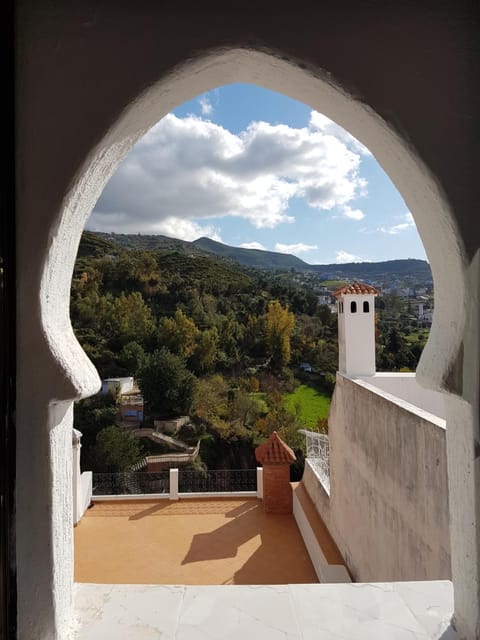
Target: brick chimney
{"points": [[276, 458]]}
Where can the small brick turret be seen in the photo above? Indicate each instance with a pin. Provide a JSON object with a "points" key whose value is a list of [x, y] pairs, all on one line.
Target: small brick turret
{"points": [[276, 458]]}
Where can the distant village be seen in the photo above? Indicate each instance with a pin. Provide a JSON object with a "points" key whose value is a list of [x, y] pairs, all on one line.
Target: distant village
{"points": [[417, 296]]}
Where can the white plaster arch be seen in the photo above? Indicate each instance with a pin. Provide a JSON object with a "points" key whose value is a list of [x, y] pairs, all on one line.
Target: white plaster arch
{"points": [[315, 88], [76, 377]]}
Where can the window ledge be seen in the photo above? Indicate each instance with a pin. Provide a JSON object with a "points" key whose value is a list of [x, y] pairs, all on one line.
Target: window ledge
{"points": [[404, 610]]}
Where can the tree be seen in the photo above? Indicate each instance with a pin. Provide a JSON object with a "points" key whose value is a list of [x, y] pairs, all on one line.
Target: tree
{"points": [[166, 383], [131, 318], [147, 274], [394, 341], [116, 450], [94, 414], [278, 330], [277, 417], [325, 356], [254, 336], [231, 333], [246, 408], [210, 399], [131, 358], [178, 334], [205, 355]]}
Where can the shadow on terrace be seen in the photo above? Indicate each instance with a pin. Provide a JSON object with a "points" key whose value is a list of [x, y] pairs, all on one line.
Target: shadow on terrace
{"points": [[192, 541]]}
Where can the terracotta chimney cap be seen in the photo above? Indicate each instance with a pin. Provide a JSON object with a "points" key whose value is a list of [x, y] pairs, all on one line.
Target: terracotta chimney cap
{"points": [[274, 451]]}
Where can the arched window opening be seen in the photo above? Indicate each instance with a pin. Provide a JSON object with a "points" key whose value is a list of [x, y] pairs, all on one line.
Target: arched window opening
{"points": [[387, 164], [180, 321]]}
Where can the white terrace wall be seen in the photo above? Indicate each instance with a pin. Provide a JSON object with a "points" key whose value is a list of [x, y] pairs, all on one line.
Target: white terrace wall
{"points": [[388, 504], [406, 387]]}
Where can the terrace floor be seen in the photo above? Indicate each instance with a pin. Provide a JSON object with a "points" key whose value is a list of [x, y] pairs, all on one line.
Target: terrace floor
{"points": [[211, 541]]}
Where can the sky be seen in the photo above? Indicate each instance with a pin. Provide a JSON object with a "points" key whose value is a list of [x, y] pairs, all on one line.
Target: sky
{"points": [[253, 168]]}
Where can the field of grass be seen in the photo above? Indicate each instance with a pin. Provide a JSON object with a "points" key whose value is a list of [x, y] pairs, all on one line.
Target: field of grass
{"points": [[313, 404], [333, 284], [420, 335]]}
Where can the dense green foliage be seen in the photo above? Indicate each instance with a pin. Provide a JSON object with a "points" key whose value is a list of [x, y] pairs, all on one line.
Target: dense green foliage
{"points": [[221, 342], [116, 450], [126, 303], [400, 341], [419, 269], [166, 384], [105, 447]]}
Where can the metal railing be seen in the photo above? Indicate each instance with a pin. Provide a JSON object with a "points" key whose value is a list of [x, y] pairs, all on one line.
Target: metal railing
{"points": [[217, 480], [318, 454], [130, 482]]}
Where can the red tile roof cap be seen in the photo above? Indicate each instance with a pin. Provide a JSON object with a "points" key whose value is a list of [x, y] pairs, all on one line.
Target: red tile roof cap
{"points": [[356, 287], [274, 451]]}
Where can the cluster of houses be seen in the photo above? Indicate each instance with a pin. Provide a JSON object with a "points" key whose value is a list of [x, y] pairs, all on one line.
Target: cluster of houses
{"points": [[421, 296], [131, 406]]}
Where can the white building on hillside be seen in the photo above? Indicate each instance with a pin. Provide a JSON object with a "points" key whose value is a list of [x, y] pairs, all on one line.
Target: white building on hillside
{"points": [[425, 316], [117, 385]]}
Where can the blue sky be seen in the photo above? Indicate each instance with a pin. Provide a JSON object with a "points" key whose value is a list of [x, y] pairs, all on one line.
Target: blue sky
{"points": [[250, 167]]}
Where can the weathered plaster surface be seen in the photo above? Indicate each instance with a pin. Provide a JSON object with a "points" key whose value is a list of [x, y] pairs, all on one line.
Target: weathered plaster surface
{"points": [[326, 573], [356, 335], [406, 387], [388, 508], [404, 611], [92, 77]]}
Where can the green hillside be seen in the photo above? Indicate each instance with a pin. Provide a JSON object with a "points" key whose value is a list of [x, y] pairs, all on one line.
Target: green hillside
{"points": [[366, 270], [95, 243], [252, 257]]}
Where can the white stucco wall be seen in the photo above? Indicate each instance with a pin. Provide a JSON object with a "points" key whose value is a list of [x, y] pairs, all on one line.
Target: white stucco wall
{"points": [[92, 77], [406, 387], [123, 385], [356, 335], [82, 483], [388, 507]]}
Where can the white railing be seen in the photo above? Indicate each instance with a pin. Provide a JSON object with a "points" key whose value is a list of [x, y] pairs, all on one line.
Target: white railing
{"points": [[318, 454], [169, 484]]}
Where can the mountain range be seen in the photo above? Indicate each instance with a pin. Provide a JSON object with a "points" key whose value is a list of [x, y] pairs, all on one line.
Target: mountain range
{"points": [[411, 268]]}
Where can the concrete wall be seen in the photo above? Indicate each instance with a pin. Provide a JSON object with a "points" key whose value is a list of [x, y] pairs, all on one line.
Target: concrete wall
{"points": [[318, 494], [171, 426], [85, 493], [122, 385], [81, 482], [388, 507], [406, 387], [325, 572]]}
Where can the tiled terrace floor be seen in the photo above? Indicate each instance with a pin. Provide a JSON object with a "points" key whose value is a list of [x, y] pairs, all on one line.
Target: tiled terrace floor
{"points": [[190, 542]]}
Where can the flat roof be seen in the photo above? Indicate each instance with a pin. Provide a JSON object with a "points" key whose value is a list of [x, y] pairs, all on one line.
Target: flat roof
{"points": [[211, 541]]}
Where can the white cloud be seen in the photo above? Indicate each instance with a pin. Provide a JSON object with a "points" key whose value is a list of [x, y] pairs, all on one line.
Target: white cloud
{"points": [[299, 247], [344, 257], [205, 106], [190, 168], [253, 245], [322, 123], [170, 226], [353, 214], [408, 223]]}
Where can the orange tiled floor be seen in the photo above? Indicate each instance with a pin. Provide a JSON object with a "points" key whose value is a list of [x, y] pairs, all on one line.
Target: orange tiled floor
{"points": [[201, 541]]}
